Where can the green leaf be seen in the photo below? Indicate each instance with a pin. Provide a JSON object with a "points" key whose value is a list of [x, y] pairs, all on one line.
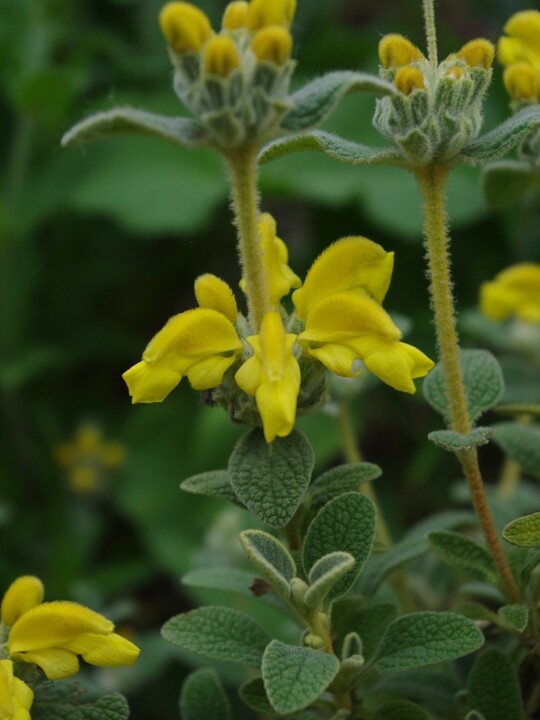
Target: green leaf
{"points": [[493, 688], [344, 478], [436, 689], [271, 478], [370, 623], [525, 531], [517, 616], [346, 523], [333, 146], [425, 638], [68, 701], [255, 697], [400, 710], [463, 554], [507, 180], [294, 677], [324, 574], [380, 565], [483, 381], [131, 121], [214, 483], [203, 696], [495, 144], [220, 578], [454, 441], [521, 443], [271, 559], [218, 632], [312, 103]]}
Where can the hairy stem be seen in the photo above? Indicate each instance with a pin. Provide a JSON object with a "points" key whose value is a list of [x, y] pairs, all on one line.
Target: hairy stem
{"points": [[431, 32], [245, 200], [432, 184]]}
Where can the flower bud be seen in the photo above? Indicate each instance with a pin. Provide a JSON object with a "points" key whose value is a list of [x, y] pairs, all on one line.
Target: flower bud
{"points": [[214, 294], [263, 13], [409, 78], [220, 56], [396, 51], [22, 595], [185, 27], [273, 44], [235, 16], [478, 53], [522, 81]]}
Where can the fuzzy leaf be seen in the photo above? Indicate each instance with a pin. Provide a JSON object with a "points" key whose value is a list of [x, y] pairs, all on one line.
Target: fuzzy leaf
{"points": [[521, 443], [214, 483], [517, 616], [338, 480], [218, 632], [131, 121], [525, 531], [348, 615], [493, 688], [294, 677], [271, 478], [454, 441], [66, 700], [425, 638], [463, 554], [255, 697], [271, 559], [483, 381], [400, 710], [324, 574], [220, 578], [312, 103], [507, 180], [203, 696], [495, 144], [333, 146], [346, 523]]}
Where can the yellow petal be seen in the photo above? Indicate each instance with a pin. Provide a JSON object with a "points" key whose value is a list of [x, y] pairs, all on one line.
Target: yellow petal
{"points": [[185, 27], [512, 50], [235, 16], [214, 294], [270, 12], [409, 78], [515, 291], [148, 384], [56, 663], [23, 594], [220, 56], [272, 44], [208, 373], [353, 263], [397, 364], [23, 697], [15, 696], [276, 403], [250, 374], [525, 25], [522, 81], [340, 359], [396, 51], [477, 53], [104, 650]]}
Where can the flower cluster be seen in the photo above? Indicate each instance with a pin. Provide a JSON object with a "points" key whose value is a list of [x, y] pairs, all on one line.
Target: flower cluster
{"points": [[519, 52], [267, 375], [438, 110], [51, 635], [235, 81], [515, 292]]}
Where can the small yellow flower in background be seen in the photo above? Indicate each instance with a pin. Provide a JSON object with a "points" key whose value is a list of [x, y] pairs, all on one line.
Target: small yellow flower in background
{"points": [[519, 52], [515, 292], [235, 16], [263, 13], [15, 696], [272, 376], [53, 634], [185, 27], [88, 457]]}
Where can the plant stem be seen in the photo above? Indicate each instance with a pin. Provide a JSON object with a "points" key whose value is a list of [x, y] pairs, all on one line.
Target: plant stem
{"points": [[245, 200], [432, 184], [431, 32]]}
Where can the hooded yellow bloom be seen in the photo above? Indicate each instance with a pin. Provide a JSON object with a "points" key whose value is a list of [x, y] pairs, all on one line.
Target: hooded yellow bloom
{"points": [[520, 53], [514, 292], [348, 326], [262, 13], [15, 696], [185, 27], [272, 376], [52, 635], [200, 344]]}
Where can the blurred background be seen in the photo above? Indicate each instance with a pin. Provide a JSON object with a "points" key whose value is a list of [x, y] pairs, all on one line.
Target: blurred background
{"points": [[100, 245]]}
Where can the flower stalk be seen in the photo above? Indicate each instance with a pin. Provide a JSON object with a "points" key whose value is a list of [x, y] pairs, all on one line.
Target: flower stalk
{"points": [[431, 32], [432, 184], [243, 171]]}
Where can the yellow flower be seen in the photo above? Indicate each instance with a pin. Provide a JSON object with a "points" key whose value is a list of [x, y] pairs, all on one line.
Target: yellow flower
{"points": [[353, 263], [52, 635], [272, 376], [345, 327], [263, 13], [213, 293], [273, 44], [185, 27], [514, 292], [15, 696], [220, 56], [397, 51], [522, 82], [409, 78], [523, 41], [235, 16], [477, 53]]}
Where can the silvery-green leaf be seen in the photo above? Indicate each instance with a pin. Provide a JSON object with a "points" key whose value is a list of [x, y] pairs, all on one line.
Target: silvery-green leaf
{"points": [[524, 532], [463, 554], [131, 121], [271, 558], [203, 696], [344, 478], [495, 144], [324, 574], [517, 616], [213, 483], [66, 700], [493, 688], [454, 442]]}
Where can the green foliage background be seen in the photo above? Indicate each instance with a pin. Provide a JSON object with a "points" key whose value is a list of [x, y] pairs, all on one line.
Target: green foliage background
{"points": [[99, 246]]}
